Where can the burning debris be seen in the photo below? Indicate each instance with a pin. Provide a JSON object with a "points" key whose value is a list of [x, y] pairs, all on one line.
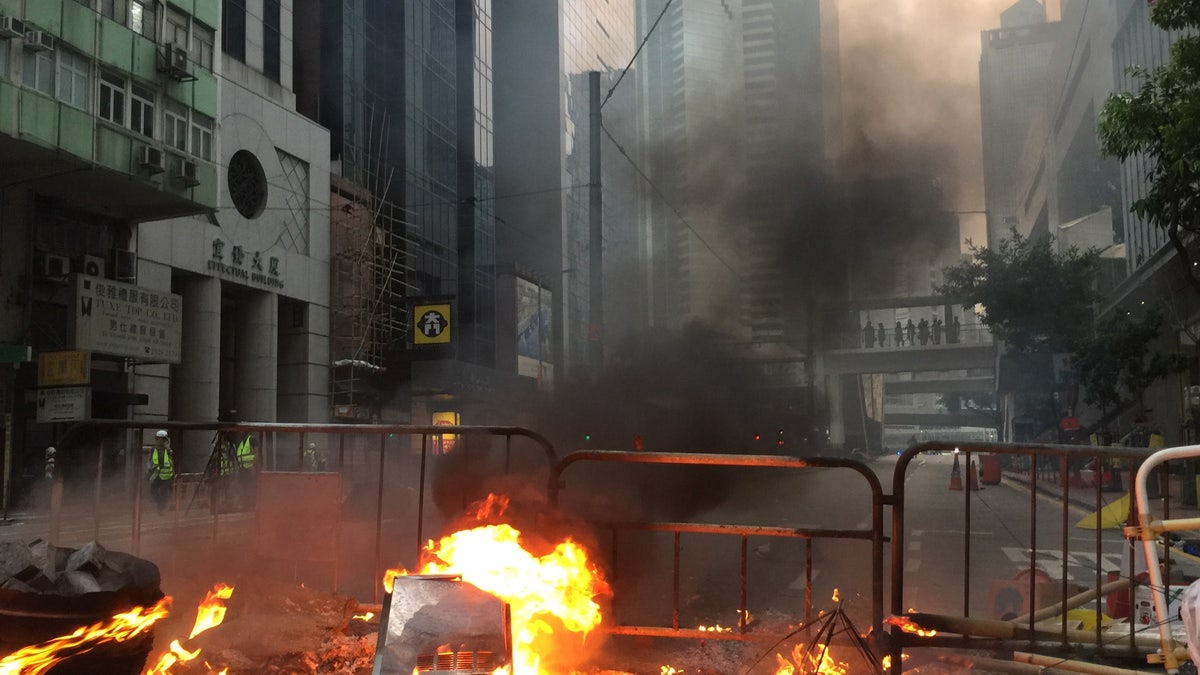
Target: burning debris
{"points": [[554, 597]]}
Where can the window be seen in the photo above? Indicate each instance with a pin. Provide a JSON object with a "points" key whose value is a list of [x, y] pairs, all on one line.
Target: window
{"points": [[39, 71], [176, 33], [271, 41], [202, 134], [117, 10], [202, 45], [112, 98], [141, 110], [142, 18], [4, 61], [74, 79], [233, 28], [175, 126]]}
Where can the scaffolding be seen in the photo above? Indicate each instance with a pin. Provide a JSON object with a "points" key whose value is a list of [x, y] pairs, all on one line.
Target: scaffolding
{"points": [[372, 268]]}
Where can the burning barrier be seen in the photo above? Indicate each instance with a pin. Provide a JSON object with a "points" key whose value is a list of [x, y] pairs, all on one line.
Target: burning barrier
{"points": [[40, 658]]}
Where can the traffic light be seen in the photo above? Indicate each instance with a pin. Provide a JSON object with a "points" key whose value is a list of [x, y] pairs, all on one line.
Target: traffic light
{"points": [[587, 437], [758, 437]]}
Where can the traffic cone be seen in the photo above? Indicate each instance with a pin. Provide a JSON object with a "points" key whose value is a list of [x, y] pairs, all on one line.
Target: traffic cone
{"points": [[972, 479], [956, 476]]}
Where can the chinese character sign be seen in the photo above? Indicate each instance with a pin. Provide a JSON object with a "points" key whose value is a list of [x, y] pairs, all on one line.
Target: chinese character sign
{"points": [[118, 319]]}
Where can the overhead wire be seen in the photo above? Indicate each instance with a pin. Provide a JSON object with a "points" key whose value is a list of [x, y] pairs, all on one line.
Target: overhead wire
{"points": [[635, 54], [663, 197]]}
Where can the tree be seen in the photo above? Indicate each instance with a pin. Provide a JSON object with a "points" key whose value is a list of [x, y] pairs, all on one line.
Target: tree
{"points": [[1161, 122], [1115, 363], [1034, 298]]}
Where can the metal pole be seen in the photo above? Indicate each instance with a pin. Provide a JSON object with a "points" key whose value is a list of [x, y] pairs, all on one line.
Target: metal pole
{"points": [[8, 451], [379, 522], [99, 491], [596, 231], [421, 501]]}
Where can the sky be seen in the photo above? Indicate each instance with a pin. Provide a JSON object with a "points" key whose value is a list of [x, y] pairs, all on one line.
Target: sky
{"points": [[910, 73]]}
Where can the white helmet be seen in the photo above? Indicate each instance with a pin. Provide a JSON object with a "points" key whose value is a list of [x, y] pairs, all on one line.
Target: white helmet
{"points": [[50, 450], [162, 433]]}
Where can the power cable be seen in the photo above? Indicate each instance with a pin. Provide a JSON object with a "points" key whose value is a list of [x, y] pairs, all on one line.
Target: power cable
{"points": [[666, 201], [635, 54]]}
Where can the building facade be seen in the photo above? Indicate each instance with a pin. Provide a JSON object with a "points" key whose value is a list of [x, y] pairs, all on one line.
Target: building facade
{"points": [[253, 275], [545, 135], [108, 119], [1013, 80]]}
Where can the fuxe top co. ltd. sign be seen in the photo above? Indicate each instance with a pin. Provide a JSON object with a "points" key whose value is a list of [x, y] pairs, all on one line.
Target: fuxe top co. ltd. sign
{"points": [[119, 319]]}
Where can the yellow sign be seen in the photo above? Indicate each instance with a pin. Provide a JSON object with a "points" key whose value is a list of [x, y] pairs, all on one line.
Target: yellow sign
{"points": [[431, 324], [444, 443], [64, 368]]}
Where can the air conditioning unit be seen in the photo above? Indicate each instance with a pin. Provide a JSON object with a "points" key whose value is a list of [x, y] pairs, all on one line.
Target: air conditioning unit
{"points": [[55, 266], [150, 158], [173, 62], [92, 266], [125, 265], [39, 41], [11, 27], [185, 173]]}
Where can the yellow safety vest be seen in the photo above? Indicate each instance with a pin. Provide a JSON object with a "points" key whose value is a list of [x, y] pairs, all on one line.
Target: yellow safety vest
{"points": [[163, 462], [245, 454]]}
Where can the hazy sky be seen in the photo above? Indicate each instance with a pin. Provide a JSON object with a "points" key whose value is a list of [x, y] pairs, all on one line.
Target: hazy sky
{"points": [[910, 72]]}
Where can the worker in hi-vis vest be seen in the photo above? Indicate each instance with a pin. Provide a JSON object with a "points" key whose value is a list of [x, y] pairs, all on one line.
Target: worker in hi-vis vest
{"points": [[162, 470]]}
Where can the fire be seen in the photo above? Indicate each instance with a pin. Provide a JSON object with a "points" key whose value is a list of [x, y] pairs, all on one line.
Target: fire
{"points": [[715, 629], [366, 616], [548, 596], [909, 626], [210, 613], [212, 609], [817, 664], [37, 659]]}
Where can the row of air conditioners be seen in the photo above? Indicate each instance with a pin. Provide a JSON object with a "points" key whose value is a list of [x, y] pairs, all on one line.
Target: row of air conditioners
{"points": [[152, 160], [35, 40], [56, 267]]}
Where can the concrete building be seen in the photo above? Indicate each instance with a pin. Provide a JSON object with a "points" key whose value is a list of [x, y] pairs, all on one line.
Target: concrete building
{"points": [[548, 240], [253, 275], [1013, 83], [1063, 175], [108, 118]]}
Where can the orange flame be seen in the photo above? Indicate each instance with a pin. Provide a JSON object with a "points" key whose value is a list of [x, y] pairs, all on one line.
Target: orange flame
{"points": [[821, 663], [210, 613], [909, 626], [545, 594], [39, 658], [562, 584], [212, 609], [836, 596], [366, 616]]}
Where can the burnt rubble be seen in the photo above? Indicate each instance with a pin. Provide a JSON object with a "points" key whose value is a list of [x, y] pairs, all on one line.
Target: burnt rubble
{"points": [[42, 568]]}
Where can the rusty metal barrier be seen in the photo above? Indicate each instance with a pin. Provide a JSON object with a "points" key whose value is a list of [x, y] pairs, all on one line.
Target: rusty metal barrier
{"points": [[1046, 468], [874, 535], [362, 454]]}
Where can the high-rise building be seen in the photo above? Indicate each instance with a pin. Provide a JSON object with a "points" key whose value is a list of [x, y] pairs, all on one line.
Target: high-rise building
{"points": [[690, 80], [1013, 85], [1138, 43], [792, 133], [555, 64], [406, 89]]}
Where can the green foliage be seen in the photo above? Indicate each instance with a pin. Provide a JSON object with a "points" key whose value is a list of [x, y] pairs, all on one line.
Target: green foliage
{"points": [[1034, 298], [1161, 122], [1115, 363]]}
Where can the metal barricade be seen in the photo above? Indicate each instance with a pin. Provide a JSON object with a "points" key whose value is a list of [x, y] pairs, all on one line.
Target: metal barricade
{"points": [[873, 535], [1047, 470], [383, 485]]}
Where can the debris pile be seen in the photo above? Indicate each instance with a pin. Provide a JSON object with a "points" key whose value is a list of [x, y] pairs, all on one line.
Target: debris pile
{"points": [[42, 568]]}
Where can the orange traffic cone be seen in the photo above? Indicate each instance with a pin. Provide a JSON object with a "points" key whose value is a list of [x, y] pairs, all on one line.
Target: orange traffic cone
{"points": [[972, 478], [956, 476]]}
